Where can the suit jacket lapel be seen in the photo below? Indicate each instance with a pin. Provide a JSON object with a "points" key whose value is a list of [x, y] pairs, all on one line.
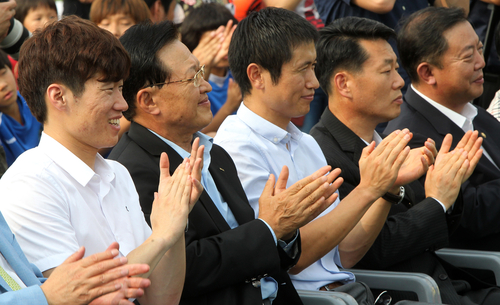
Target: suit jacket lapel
{"points": [[155, 146], [349, 142], [438, 120], [232, 192]]}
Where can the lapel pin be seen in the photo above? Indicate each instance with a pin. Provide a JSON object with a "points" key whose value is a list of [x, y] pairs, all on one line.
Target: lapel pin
{"points": [[483, 135], [221, 168]]}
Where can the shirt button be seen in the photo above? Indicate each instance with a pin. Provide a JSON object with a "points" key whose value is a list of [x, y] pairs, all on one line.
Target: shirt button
{"points": [[443, 277], [275, 140]]}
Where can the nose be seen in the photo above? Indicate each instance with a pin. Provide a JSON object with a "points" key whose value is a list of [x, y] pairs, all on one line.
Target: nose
{"points": [[114, 29], [205, 86], [311, 81], [399, 82], [120, 103], [480, 63]]}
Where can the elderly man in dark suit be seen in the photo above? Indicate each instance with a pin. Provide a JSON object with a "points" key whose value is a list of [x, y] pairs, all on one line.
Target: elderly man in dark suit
{"points": [[358, 69], [232, 258], [443, 55]]}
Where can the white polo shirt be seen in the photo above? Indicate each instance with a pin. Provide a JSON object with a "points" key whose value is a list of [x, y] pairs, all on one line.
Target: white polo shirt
{"points": [[54, 203]]}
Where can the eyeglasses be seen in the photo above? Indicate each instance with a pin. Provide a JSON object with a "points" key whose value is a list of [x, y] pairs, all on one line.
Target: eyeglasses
{"points": [[200, 74]]}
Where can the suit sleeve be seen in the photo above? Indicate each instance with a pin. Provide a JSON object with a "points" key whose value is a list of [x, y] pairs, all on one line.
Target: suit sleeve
{"points": [[419, 228], [32, 295]]}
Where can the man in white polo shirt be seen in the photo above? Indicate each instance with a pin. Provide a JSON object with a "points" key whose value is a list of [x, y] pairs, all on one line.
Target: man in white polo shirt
{"points": [[63, 195]]}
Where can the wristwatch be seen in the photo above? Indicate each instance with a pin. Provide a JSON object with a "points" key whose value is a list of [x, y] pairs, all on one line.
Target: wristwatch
{"points": [[395, 199]]}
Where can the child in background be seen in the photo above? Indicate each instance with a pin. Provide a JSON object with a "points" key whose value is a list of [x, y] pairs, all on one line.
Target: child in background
{"points": [[35, 14], [117, 16], [198, 26], [19, 130]]}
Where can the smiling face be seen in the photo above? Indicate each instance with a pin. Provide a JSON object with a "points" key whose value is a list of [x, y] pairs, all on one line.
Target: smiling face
{"points": [[376, 89], [117, 24], [294, 92], [39, 17], [184, 107], [91, 120], [460, 77]]}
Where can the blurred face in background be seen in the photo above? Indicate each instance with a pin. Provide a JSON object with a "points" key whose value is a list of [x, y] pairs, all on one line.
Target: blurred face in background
{"points": [[39, 17], [117, 24]]}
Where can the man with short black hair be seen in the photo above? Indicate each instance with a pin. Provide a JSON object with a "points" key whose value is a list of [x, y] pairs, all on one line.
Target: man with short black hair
{"points": [[232, 257], [443, 56], [358, 69]]}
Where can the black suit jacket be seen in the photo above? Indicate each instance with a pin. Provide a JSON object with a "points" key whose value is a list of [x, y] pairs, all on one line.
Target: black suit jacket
{"points": [[223, 266], [412, 231], [479, 227]]}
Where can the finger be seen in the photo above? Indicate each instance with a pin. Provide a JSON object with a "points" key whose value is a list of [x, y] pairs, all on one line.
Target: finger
{"points": [[472, 164], [164, 169], [333, 187], [114, 245], [198, 164], [388, 139], [465, 139], [136, 269], [400, 158], [282, 180], [446, 144], [78, 255], [317, 178], [194, 150], [333, 175], [367, 150], [431, 146], [173, 183], [472, 140], [228, 28], [477, 145], [396, 149], [268, 190], [429, 156]]}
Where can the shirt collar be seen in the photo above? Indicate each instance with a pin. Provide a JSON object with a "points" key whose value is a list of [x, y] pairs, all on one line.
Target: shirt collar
{"points": [[468, 113], [376, 137], [204, 140], [266, 129], [73, 165]]}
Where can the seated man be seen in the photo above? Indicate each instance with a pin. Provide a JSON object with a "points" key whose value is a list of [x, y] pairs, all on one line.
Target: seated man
{"points": [[272, 56], [232, 258], [443, 56], [62, 195], [358, 69]]}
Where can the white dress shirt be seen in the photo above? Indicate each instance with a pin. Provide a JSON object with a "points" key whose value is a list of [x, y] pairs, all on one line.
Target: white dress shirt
{"points": [[54, 203], [463, 120], [260, 148]]}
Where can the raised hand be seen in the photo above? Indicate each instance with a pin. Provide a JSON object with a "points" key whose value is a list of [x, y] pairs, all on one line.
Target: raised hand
{"points": [[445, 177], [196, 160], [208, 47], [79, 281], [417, 163], [171, 205], [379, 166], [471, 143], [227, 34], [286, 210]]}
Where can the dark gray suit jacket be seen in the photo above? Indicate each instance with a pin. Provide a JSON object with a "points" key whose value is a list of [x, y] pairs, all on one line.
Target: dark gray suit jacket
{"points": [[223, 266], [413, 229], [480, 228]]}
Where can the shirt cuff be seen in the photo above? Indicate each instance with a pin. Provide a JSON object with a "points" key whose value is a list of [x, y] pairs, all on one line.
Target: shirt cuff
{"points": [[444, 208], [288, 247], [270, 229]]}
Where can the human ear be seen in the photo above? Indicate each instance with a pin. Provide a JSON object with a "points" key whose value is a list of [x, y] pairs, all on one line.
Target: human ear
{"points": [[254, 73], [146, 102], [342, 83], [58, 95], [425, 72]]}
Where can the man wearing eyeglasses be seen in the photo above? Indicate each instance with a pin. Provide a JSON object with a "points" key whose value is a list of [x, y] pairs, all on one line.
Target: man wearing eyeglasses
{"points": [[231, 257]]}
